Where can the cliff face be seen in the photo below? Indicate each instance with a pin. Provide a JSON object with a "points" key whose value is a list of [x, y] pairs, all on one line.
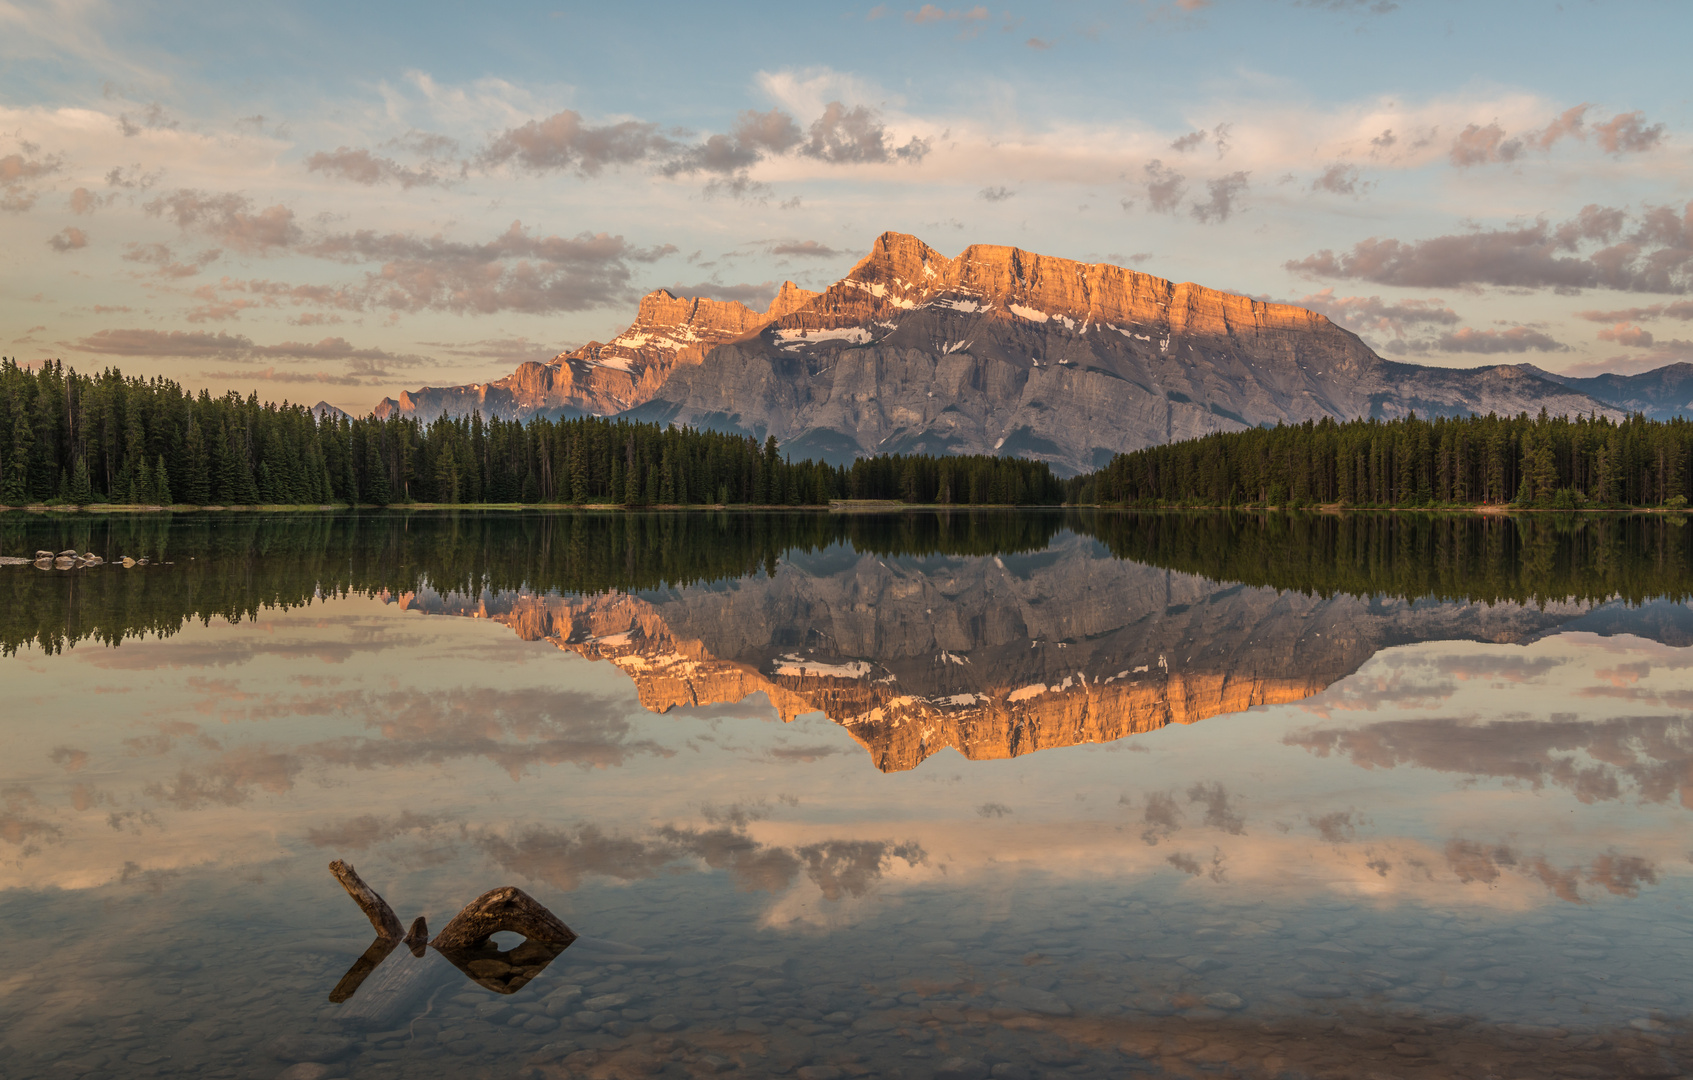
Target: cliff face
{"points": [[995, 657], [996, 351]]}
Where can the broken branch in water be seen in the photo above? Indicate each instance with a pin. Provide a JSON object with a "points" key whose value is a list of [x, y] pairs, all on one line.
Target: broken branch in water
{"points": [[374, 907], [507, 908]]}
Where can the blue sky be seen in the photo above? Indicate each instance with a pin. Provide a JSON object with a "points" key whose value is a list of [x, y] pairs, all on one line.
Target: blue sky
{"points": [[344, 201]]}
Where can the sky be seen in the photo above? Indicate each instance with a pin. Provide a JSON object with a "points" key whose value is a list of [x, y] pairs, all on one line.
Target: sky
{"points": [[338, 202]]}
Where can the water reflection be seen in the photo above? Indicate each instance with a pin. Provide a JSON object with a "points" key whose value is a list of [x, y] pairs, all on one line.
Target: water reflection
{"points": [[1419, 832]]}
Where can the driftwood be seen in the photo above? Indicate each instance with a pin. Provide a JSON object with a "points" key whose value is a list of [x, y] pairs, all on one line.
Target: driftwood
{"points": [[508, 909], [374, 907], [465, 941], [417, 938]]}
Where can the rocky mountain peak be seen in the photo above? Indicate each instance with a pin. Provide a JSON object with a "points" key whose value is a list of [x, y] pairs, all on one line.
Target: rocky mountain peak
{"points": [[996, 350]]}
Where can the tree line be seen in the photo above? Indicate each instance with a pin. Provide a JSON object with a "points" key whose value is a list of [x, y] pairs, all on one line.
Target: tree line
{"points": [[78, 440], [1553, 462]]}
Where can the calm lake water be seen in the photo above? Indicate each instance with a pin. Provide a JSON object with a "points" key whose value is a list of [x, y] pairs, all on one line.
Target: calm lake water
{"points": [[955, 796]]}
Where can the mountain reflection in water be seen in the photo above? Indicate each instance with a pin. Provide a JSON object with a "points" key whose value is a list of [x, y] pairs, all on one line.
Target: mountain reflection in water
{"points": [[1448, 838]]}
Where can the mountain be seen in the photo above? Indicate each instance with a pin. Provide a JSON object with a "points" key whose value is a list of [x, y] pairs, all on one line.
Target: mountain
{"points": [[608, 378], [323, 410], [996, 351], [993, 656], [1662, 394]]}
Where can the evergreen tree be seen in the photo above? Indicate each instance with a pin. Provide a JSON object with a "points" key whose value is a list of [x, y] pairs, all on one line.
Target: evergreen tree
{"points": [[161, 484], [197, 483]]}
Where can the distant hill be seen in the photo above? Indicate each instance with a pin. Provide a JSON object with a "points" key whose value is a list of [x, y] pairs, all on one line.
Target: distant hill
{"points": [[1662, 394], [996, 351]]}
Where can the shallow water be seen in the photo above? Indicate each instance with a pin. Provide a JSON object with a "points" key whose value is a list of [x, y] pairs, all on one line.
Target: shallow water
{"points": [[909, 796]]}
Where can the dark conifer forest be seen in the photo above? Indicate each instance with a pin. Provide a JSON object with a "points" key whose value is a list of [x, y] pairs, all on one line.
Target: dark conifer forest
{"points": [[79, 440], [1546, 462]]}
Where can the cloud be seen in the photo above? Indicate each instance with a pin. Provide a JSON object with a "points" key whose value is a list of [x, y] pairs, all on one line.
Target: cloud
{"points": [[995, 194], [1624, 333], [1477, 145], [83, 201], [357, 834], [929, 13], [230, 219], [1625, 133], [1225, 194], [1628, 134], [151, 117], [1374, 313], [230, 780], [1038, 44], [1336, 827], [69, 238], [1594, 760], [1190, 141], [1164, 187], [1218, 813], [1680, 309], [71, 758], [1601, 247], [563, 142], [164, 259], [362, 167], [755, 135], [856, 135], [222, 346], [564, 857], [1621, 875], [1372, 7], [804, 249], [1162, 817], [1341, 180], [1517, 339], [517, 271], [1567, 125], [17, 172]]}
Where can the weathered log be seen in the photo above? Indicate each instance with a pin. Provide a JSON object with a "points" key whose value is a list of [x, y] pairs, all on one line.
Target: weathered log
{"points": [[505, 909], [374, 907], [362, 967], [417, 938]]}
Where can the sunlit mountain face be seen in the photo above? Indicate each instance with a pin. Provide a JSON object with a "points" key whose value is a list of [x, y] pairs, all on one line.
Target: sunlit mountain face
{"points": [[1056, 790]]}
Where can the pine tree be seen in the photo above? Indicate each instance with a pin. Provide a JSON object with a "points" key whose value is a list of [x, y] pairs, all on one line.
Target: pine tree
{"points": [[197, 485], [161, 484], [378, 490], [81, 487]]}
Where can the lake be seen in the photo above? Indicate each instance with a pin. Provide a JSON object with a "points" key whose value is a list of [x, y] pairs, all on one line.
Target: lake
{"points": [[1006, 794]]}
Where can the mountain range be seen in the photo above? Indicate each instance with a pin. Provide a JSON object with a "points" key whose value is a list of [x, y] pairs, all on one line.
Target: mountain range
{"points": [[1002, 351]]}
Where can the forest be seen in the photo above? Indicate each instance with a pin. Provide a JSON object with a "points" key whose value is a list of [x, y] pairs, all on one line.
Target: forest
{"points": [[71, 439], [1549, 462]]}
